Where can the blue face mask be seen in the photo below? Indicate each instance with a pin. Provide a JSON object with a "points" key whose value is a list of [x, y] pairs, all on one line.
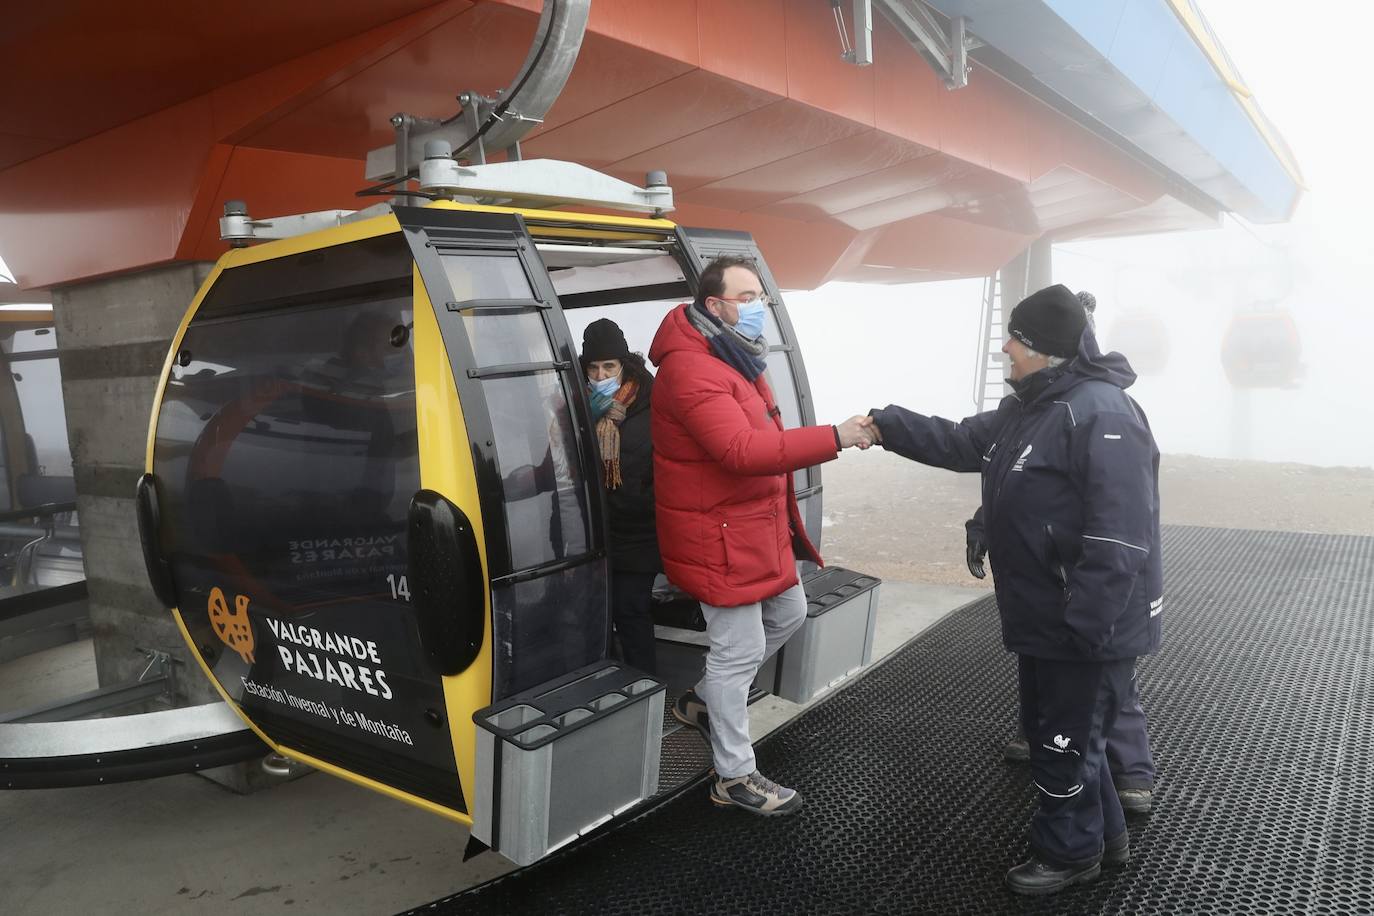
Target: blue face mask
{"points": [[607, 387], [750, 324]]}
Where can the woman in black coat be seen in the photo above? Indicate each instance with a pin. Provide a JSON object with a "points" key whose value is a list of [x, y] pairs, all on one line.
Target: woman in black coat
{"points": [[618, 386]]}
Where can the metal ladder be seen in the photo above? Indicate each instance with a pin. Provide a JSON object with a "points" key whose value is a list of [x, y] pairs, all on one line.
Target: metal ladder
{"points": [[988, 384]]}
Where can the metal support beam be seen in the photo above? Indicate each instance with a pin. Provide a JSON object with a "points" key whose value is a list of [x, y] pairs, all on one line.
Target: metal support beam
{"points": [[958, 54], [860, 53], [157, 680], [944, 48]]}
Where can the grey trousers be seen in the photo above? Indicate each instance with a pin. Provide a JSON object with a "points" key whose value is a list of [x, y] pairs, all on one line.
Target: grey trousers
{"points": [[742, 639]]}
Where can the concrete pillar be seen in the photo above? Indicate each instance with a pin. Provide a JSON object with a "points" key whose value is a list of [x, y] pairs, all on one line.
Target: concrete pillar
{"points": [[1029, 271], [112, 338]]}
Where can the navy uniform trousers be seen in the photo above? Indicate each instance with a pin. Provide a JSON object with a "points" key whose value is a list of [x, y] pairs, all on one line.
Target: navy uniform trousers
{"points": [[1128, 745], [1067, 710]]}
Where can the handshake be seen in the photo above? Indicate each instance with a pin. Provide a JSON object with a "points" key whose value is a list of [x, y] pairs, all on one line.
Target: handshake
{"points": [[858, 430]]}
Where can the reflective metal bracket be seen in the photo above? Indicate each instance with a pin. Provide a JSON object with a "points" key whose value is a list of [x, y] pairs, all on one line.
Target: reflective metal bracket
{"points": [[944, 48], [860, 51]]}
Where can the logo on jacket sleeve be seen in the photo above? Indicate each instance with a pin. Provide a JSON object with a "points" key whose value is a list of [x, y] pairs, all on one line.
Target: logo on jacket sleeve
{"points": [[1021, 462]]}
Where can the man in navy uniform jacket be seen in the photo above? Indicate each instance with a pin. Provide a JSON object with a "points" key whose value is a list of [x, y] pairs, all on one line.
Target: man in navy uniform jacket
{"points": [[1071, 504]]}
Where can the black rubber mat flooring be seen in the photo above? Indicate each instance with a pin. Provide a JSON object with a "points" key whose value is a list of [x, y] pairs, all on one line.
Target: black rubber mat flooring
{"points": [[683, 756], [1260, 712]]}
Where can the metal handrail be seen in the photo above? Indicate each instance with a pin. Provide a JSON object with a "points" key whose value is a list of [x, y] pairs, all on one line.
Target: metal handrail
{"points": [[47, 510], [41, 599]]}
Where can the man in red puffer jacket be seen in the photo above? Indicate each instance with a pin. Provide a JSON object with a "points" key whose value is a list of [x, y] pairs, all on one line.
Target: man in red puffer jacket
{"points": [[727, 514]]}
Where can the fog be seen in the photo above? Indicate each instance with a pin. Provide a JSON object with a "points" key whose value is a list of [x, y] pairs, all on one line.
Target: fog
{"points": [[915, 345]]}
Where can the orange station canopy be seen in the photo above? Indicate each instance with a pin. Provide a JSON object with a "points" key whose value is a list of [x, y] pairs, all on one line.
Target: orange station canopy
{"points": [[138, 121]]}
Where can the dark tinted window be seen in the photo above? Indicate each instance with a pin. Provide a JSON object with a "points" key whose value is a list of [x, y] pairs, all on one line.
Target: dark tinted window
{"points": [[544, 486], [358, 271], [38, 382], [287, 457], [289, 424], [547, 626], [35, 469]]}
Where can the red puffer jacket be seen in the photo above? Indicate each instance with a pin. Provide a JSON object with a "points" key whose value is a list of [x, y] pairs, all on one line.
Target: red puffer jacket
{"points": [[723, 468]]}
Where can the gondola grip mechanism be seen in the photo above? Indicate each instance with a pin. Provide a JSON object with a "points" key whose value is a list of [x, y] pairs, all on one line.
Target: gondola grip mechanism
{"points": [[439, 173]]}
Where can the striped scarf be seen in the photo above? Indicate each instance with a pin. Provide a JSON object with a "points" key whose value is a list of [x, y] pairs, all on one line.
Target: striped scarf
{"points": [[609, 412], [745, 355]]}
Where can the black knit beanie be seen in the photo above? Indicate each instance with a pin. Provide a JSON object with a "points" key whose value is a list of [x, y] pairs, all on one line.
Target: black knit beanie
{"points": [[603, 339], [1049, 321]]}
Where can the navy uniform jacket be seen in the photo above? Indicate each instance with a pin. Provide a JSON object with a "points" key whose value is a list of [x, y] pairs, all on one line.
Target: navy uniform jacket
{"points": [[1070, 503]]}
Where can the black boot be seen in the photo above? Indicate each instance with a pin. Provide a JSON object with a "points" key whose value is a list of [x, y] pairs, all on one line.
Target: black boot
{"points": [[1136, 801], [1037, 877], [1116, 850]]}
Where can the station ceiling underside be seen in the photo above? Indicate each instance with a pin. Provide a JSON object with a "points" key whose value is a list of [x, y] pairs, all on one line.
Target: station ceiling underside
{"points": [[875, 174]]}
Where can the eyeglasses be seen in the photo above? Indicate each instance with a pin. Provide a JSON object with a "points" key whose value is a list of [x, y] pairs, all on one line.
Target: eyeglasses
{"points": [[763, 299]]}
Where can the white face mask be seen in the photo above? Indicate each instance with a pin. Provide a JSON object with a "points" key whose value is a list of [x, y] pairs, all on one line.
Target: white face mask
{"points": [[607, 386], [751, 316]]}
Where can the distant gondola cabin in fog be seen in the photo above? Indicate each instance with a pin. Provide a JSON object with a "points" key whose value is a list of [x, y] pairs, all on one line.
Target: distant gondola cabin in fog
{"points": [[1144, 339], [1262, 349]]}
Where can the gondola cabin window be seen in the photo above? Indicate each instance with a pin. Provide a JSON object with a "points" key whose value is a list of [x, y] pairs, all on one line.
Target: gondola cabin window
{"points": [[547, 619], [287, 454]]}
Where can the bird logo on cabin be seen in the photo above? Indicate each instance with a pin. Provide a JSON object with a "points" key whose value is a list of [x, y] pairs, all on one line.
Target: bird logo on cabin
{"points": [[232, 628]]}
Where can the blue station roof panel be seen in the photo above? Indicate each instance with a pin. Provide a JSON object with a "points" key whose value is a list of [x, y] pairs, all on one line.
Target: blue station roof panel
{"points": [[1152, 73]]}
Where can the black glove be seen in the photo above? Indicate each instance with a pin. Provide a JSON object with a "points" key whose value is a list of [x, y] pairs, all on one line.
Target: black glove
{"points": [[977, 550]]}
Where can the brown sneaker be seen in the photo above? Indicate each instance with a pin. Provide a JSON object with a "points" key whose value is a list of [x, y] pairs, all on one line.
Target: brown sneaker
{"points": [[755, 793]]}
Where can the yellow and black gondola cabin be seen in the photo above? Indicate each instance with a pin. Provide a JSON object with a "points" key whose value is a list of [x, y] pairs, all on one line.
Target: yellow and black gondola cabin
{"points": [[370, 495]]}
